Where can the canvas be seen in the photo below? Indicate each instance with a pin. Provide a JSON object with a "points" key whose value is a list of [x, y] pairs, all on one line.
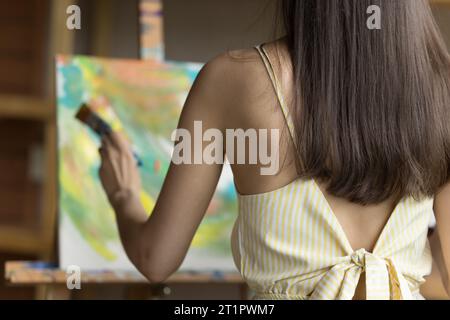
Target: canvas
{"points": [[142, 99]]}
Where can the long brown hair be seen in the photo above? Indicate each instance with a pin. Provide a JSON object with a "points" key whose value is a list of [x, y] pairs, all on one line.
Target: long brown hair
{"points": [[372, 109]]}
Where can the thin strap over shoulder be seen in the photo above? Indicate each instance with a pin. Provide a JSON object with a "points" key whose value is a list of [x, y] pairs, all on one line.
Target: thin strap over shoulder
{"points": [[276, 85]]}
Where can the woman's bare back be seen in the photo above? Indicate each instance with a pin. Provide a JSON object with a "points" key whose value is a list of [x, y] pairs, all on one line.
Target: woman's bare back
{"points": [[259, 108]]}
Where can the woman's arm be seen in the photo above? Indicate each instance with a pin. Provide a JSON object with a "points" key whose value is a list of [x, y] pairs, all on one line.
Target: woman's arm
{"points": [[442, 213], [158, 245], [433, 288]]}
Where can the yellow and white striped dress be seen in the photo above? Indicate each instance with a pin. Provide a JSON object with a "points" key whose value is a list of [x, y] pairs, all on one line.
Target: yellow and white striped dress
{"points": [[288, 244]]}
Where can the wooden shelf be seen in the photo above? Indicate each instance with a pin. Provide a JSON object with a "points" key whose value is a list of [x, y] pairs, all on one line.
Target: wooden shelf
{"points": [[39, 240], [21, 107], [19, 240]]}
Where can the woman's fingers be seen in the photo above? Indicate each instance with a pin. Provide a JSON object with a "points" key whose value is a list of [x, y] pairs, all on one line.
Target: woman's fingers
{"points": [[117, 142], [108, 147], [117, 170], [106, 141], [102, 151]]}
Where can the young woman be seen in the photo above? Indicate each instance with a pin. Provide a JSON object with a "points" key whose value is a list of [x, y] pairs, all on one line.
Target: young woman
{"points": [[364, 158]]}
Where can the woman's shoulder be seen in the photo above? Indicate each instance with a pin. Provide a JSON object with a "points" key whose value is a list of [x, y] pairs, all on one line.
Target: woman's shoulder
{"points": [[232, 64], [237, 81], [247, 56], [239, 69], [243, 59]]}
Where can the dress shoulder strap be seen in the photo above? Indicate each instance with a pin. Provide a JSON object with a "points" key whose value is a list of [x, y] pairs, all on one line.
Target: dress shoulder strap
{"points": [[277, 87]]}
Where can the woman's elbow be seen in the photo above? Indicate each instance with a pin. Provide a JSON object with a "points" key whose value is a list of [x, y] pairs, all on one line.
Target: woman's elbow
{"points": [[152, 268], [155, 277], [154, 262]]}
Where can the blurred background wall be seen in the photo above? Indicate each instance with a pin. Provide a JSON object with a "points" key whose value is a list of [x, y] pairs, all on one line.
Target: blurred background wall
{"points": [[31, 32]]}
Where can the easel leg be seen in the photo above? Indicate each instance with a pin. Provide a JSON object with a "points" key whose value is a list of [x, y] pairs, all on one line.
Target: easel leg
{"points": [[40, 292], [243, 291], [148, 292], [137, 292], [57, 292]]}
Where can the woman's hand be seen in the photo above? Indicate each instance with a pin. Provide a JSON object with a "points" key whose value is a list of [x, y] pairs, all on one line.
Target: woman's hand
{"points": [[118, 172]]}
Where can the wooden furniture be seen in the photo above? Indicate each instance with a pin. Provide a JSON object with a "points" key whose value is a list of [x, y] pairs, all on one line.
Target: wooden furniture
{"points": [[22, 273], [31, 32], [37, 238], [28, 97], [26, 111]]}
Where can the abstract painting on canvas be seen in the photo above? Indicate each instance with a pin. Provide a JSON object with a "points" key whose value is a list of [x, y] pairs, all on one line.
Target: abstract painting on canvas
{"points": [[142, 99]]}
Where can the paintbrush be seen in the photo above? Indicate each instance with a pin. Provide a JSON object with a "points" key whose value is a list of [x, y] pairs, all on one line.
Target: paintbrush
{"points": [[91, 119]]}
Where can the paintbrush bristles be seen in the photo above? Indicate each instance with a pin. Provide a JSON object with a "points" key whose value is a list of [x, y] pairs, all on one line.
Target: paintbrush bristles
{"points": [[91, 119], [83, 113], [87, 116]]}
